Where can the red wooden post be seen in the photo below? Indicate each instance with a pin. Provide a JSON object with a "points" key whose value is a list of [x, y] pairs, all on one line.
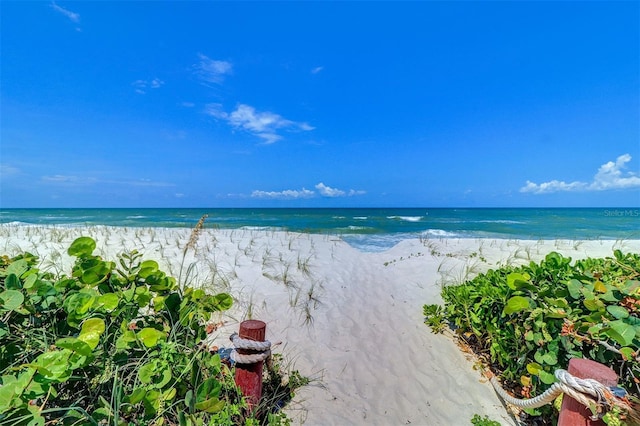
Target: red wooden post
{"points": [[572, 413], [249, 376]]}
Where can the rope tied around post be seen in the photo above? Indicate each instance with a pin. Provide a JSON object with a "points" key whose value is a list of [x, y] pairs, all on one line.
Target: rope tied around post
{"points": [[588, 392], [262, 349]]}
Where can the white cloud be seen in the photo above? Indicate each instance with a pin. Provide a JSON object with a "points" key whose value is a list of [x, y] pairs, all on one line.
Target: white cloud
{"points": [[316, 70], [212, 71], [63, 179], [262, 124], [89, 180], [327, 191], [609, 176], [141, 86], [7, 170], [73, 17], [156, 82], [289, 194]]}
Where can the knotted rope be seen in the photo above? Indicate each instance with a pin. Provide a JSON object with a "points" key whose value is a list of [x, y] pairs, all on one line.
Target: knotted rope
{"points": [[262, 349], [588, 392]]}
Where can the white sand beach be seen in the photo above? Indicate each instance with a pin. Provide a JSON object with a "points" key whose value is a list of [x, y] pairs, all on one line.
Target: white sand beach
{"points": [[350, 320]]}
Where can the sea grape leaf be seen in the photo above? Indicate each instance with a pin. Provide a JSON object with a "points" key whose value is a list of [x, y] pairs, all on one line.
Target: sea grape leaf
{"points": [[627, 353], [91, 331], [630, 287], [546, 377], [18, 267], [593, 304], [150, 336], [36, 420], [147, 268], [516, 304], [219, 302], [534, 368], [151, 374], [53, 364], [621, 332], [516, 280], [169, 394], [7, 393], [158, 303], [75, 345], [12, 282], [151, 402], [210, 388], [145, 373], [109, 301], [618, 312], [212, 405], [599, 287], [550, 358], [136, 396], [30, 280], [574, 287], [82, 247], [611, 296], [11, 300]]}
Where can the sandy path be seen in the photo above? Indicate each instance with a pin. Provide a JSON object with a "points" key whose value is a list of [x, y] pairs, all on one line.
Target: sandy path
{"points": [[351, 320]]}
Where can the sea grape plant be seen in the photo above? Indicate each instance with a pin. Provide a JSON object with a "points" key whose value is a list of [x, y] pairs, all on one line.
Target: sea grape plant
{"points": [[114, 342], [528, 321]]}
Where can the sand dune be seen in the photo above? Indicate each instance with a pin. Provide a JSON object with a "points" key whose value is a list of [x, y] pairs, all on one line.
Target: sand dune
{"points": [[350, 320]]}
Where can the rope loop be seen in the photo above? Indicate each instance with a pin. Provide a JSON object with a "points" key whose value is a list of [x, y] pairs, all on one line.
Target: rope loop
{"points": [[262, 349], [588, 392]]}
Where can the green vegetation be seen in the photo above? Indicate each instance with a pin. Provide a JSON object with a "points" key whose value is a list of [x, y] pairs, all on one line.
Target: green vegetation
{"points": [[483, 421], [116, 343], [526, 322]]}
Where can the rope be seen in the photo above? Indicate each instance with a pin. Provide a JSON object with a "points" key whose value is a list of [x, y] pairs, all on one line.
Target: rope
{"points": [[575, 387], [263, 350]]}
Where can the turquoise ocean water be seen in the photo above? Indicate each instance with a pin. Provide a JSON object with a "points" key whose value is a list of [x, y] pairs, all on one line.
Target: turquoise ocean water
{"points": [[365, 228]]}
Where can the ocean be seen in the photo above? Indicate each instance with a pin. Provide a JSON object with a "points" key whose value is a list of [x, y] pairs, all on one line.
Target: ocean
{"points": [[368, 229]]}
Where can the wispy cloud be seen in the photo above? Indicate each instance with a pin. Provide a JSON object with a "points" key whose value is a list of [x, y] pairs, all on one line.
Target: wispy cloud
{"points": [[291, 194], [73, 17], [609, 176], [262, 124], [327, 191], [288, 194], [316, 70], [7, 170], [212, 71], [141, 86], [73, 180]]}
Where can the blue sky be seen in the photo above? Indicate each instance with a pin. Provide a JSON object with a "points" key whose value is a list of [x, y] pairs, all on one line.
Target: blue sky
{"points": [[320, 104]]}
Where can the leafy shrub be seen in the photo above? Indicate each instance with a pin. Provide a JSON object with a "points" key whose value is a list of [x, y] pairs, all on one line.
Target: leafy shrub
{"points": [[526, 322], [115, 343], [483, 421]]}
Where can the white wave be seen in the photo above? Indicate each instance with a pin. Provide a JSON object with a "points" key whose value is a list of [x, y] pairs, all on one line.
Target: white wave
{"points": [[361, 217], [501, 221], [262, 228], [407, 218], [441, 233]]}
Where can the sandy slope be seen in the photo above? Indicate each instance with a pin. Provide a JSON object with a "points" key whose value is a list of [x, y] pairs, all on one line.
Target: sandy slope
{"points": [[351, 320]]}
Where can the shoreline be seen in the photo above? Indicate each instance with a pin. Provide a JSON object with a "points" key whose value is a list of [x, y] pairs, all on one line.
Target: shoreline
{"points": [[350, 320]]}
